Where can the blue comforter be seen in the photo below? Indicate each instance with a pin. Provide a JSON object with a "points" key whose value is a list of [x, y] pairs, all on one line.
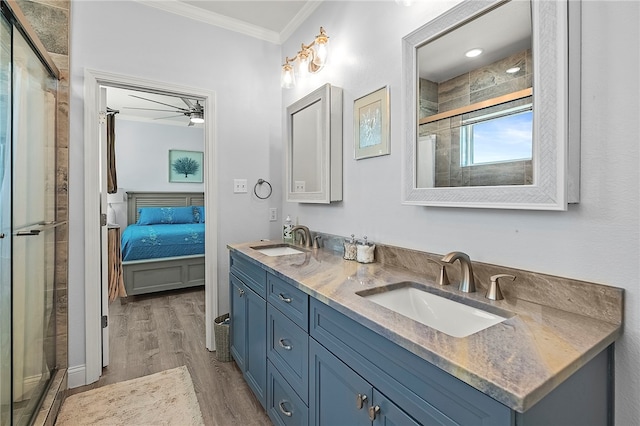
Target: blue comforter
{"points": [[157, 241]]}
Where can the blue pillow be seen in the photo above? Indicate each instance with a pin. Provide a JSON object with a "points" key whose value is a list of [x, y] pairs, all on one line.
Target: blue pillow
{"points": [[165, 215], [198, 214]]}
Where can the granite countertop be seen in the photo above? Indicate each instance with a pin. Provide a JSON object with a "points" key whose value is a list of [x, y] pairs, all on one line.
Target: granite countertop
{"points": [[516, 362]]}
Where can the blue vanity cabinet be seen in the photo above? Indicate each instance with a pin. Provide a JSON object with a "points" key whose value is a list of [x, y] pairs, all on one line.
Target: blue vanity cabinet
{"points": [[422, 391], [309, 364], [248, 324]]}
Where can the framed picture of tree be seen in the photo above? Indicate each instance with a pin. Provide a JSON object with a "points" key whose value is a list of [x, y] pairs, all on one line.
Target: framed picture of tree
{"points": [[185, 166]]}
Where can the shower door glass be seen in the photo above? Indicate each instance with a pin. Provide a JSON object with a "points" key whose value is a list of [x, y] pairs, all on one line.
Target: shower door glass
{"points": [[33, 229], [5, 221]]}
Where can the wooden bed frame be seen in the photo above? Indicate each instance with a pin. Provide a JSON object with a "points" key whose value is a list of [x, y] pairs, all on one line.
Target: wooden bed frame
{"points": [[169, 273]]}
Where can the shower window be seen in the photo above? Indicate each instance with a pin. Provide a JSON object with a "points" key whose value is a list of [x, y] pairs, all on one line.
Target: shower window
{"points": [[497, 137]]}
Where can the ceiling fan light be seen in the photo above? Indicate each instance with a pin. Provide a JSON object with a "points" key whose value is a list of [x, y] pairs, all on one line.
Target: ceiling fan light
{"points": [[197, 117]]}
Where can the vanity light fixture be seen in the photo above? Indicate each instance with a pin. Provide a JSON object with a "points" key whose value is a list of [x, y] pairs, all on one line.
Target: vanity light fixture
{"points": [[473, 53], [310, 59], [513, 70]]}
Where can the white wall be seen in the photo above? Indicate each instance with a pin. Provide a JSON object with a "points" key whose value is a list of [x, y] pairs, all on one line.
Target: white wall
{"points": [[142, 157], [597, 240], [131, 39]]}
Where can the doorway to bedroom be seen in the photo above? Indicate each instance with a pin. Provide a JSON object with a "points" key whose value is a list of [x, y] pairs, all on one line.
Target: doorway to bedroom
{"points": [[155, 196], [162, 147]]}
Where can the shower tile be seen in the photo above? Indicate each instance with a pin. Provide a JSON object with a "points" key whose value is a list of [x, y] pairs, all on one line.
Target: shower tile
{"points": [[50, 23], [454, 88]]}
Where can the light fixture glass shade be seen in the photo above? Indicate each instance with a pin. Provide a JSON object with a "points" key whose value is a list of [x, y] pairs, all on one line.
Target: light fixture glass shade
{"points": [[303, 63], [322, 51], [197, 117], [287, 77]]}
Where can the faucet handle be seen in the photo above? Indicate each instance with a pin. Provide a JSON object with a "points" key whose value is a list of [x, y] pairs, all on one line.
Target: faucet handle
{"points": [[494, 292], [443, 278], [315, 241]]}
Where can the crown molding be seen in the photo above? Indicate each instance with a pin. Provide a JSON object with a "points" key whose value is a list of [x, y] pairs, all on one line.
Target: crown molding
{"points": [[198, 14], [301, 16], [188, 11]]}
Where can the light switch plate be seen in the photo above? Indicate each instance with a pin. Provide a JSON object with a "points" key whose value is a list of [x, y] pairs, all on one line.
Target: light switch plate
{"points": [[239, 186], [273, 214]]}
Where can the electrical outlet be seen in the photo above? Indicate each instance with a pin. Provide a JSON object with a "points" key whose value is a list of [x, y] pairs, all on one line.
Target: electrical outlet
{"points": [[299, 186], [239, 186], [273, 214]]}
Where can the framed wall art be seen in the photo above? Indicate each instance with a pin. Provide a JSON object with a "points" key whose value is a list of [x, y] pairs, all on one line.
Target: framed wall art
{"points": [[185, 166], [371, 124]]}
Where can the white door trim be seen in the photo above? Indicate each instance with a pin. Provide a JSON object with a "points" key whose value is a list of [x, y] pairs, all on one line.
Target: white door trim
{"points": [[93, 79]]}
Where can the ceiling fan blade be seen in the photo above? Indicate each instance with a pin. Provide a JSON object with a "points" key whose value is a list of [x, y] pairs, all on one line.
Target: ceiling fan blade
{"points": [[158, 102], [190, 104], [154, 109], [170, 116]]}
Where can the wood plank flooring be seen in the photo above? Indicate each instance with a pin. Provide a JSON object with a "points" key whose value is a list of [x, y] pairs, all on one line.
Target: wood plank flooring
{"points": [[153, 333]]}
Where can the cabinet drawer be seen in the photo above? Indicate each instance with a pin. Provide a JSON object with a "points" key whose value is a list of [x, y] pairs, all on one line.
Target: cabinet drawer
{"points": [[288, 350], [252, 275], [284, 406], [291, 301]]}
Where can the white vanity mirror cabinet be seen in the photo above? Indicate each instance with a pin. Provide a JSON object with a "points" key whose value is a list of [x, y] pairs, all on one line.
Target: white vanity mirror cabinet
{"points": [[314, 147], [492, 106]]}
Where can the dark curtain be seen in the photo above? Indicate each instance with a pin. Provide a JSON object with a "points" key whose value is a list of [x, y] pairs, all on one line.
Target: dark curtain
{"points": [[112, 179]]}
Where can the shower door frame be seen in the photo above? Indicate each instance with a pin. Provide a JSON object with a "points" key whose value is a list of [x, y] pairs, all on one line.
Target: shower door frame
{"points": [[11, 11]]}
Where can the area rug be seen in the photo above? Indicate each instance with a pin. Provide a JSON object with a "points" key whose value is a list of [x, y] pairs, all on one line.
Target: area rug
{"points": [[165, 398]]}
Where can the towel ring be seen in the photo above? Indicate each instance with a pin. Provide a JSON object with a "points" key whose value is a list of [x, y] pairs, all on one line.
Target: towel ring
{"points": [[255, 189]]}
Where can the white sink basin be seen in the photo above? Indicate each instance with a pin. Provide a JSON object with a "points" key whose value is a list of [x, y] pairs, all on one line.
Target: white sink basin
{"points": [[277, 250], [450, 317]]}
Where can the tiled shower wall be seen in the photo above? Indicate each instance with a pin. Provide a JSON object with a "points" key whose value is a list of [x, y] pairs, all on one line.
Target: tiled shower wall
{"points": [[475, 86], [50, 21]]}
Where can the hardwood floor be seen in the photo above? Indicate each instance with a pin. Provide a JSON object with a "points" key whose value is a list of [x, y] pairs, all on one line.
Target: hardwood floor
{"points": [[153, 333]]}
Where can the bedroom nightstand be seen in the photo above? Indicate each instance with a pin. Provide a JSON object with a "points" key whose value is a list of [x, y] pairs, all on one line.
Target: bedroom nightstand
{"points": [[116, 281]]}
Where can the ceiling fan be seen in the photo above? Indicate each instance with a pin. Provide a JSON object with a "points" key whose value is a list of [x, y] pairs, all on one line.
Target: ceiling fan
{"points": [[195, 112]]}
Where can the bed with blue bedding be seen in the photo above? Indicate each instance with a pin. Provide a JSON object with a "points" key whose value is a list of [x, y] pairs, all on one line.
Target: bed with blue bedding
{"points": [[163, 245], [158, 241]]}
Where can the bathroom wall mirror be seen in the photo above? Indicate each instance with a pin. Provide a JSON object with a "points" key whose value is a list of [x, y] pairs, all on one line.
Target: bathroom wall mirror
{"points": [[492, 106], [314, 148]]}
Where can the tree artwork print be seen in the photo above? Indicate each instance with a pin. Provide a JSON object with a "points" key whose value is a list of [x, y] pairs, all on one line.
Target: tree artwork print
{"points": [[185, 166]]}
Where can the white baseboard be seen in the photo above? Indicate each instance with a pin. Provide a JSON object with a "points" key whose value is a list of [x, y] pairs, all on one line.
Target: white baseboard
{"points": [[76, 376]]}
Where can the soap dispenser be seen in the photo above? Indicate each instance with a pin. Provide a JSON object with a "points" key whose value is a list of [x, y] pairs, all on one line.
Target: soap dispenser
{"points": [[365, 251], [287, 235], [350, 251]]}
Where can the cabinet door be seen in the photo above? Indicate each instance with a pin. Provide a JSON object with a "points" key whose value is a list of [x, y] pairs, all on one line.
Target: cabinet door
{"points": [[238, 321], [335, 391], [256, 332], [386, 413]]}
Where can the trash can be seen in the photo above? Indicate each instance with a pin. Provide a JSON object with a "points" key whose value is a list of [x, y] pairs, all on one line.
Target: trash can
{"points": [[221, 331]]}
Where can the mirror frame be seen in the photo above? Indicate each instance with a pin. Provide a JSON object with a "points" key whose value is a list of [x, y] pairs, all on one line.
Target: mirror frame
{"points": [[330, 98], [556, 132]]}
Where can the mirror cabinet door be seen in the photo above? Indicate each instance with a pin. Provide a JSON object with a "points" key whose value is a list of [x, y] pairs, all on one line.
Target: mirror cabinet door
{"points": [[491, 129], [314, 148]]}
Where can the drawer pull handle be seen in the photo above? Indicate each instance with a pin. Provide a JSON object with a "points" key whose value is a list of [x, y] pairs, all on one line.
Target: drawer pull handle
{"points": [[285, 346], [373, 411], [360, 399], [284, 299], [284, 410], [240, 292]]}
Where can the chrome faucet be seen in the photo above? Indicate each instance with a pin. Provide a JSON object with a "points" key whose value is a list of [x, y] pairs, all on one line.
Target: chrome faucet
{"points": [[467, 284], [305, 235]]}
